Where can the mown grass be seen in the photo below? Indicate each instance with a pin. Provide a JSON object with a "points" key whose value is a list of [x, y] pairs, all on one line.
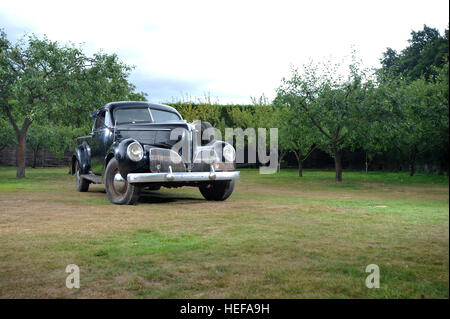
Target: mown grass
{"points": [[277, 236]]}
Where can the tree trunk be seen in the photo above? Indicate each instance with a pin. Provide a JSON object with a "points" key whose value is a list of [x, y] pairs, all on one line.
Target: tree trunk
{"points": [[412, 161], [367, 164], [35, 155], [21, 147], [300, 163], [279, 161], [299, 156], [21, 135], [337, 164], [300, 169], [412, 168]]}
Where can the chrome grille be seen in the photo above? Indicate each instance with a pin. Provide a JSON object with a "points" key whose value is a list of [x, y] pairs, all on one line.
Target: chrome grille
{"points": [[161, 158], [207, 156], [150, 137]]}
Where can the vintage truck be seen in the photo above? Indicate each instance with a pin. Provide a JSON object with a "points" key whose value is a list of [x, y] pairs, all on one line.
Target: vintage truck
{"points": [[136, 145]]}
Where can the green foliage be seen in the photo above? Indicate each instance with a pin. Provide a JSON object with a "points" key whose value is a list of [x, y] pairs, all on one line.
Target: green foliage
{"points": [[7, 136], [55, 87], [230, 116], [412, 117], [425, 111], [334, 106], [222, 116], [295, 134], [427, 49], [413, 92], [206, 112], [55, 138], [106, 80]]}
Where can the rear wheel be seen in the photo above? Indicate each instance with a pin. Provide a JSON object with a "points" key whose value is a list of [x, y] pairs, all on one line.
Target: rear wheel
{"points": [[119, 191], [219, 190], [81, 184]]}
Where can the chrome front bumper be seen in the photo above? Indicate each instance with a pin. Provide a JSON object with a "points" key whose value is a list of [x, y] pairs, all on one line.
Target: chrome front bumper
{"points": [[182, 177]]}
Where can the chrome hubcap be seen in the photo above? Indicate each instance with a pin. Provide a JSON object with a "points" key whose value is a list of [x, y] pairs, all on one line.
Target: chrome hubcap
{"points": [[120, 185]]}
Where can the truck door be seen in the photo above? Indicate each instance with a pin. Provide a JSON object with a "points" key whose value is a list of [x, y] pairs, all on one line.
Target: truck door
{"points": [[101, 141]]}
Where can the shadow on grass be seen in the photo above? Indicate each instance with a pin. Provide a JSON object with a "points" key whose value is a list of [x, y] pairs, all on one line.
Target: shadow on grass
{"points": [[155, 197]]}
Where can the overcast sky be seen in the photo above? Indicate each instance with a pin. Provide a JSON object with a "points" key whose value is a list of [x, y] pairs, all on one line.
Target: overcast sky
{"points": [[231, 50]]}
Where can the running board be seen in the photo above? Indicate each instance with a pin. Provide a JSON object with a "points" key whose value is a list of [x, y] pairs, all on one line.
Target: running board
{"points": [[96, 179]]}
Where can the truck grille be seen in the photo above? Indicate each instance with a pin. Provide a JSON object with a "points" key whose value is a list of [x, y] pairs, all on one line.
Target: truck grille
{"points": [[206, 156], [150, 137], [161, 158]]}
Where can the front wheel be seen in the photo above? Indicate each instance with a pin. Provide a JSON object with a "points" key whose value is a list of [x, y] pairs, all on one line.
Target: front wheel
{"points": [[219, 190], [118, 189]]}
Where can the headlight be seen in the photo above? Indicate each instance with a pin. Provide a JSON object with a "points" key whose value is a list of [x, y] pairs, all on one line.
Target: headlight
{"points": [[135, 151], [228, 153]]}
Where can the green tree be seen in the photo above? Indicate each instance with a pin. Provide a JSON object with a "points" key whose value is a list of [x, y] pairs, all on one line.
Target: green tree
{"points": [[37, 137], [295, 134], [424, 121], [45, 82], [54, 138], [380, 125], [335, 106], [35, 74], [427, 49]]}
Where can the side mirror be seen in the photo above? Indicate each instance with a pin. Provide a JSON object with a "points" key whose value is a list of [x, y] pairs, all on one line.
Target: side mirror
{"points": [[93, 114]]}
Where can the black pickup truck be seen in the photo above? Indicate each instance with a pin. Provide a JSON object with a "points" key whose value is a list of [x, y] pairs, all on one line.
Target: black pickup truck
{"points": [[135, 145]]}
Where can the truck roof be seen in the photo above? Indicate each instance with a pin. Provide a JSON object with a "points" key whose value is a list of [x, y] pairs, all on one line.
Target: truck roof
{"points": [[124, 104]]}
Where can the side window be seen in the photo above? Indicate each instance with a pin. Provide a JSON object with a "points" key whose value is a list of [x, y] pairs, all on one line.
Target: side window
{"points": [[100, 121]]}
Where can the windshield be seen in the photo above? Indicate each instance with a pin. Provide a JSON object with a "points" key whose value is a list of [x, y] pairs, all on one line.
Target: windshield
{"points": [[138, 115], [164, 116], [142, 115]]}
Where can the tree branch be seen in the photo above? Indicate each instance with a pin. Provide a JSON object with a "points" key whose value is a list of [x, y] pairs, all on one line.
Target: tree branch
{"points": [[313, 120], [11, 118], [26, 125]]}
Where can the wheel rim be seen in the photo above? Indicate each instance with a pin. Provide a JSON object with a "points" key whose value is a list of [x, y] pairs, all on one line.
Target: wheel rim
{"points": [[118, 183]]}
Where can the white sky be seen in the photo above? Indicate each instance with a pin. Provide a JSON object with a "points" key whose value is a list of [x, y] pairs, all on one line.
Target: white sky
{"points": [[230, 49]]}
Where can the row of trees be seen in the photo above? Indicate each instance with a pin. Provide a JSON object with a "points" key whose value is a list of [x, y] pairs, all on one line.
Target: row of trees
{"points": [[402, 107], [374, 112], [47, 89]]}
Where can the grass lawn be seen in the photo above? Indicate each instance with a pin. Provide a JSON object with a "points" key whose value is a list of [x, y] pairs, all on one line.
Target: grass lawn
{"points": [[277, 236]]}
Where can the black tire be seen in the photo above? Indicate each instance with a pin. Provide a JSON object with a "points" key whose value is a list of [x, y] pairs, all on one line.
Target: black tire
{"points": [[81, 184], [218, 191], [119, 192]]}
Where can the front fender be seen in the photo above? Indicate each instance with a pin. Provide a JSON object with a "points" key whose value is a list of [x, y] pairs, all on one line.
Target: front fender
{"points": [[118, 150], [82, 154]]}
